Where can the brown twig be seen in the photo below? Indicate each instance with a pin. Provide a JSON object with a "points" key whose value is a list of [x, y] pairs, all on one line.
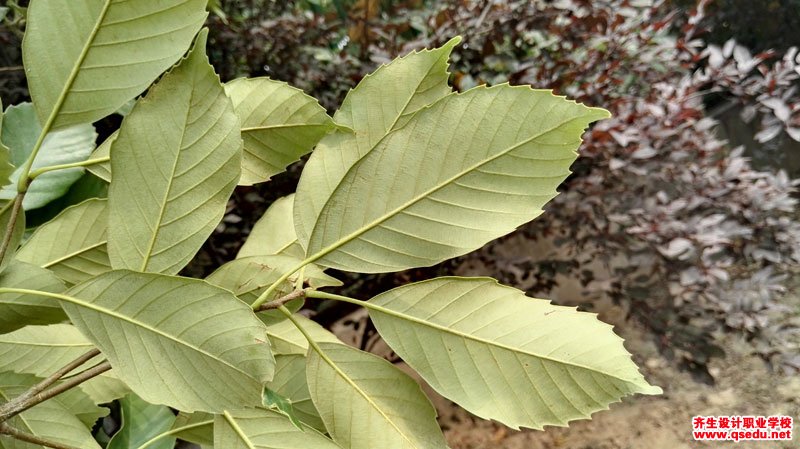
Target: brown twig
{"points": [[37, 394], [12, 223], [5, 429], [16, 68], [274, 304]]}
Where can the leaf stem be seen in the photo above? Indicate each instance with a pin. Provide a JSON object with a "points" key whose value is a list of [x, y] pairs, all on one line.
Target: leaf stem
{"points": [[5, 429], [282, 300], [12, 223], [23, 183], [305, 333], [7, 410], [174, 431], [38, 172], [358, 302], [38, 394], [269, 291]]}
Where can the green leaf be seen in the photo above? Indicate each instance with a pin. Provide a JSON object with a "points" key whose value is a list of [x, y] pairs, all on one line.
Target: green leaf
{"points": [[278, 403], [205, 347], [49, 419], [142, 421], [6, 168], [391, 408], [279, 125], [504, 356], [41, 350], [68, 145], [274, 232], [290, 382], [72, 245], [7, 213], [18, 310], [247, 278], [381, 103], [265, 429], [175, 163], [197, 428], [109, 51], [466, 170], [285, 337], [103, 170]]}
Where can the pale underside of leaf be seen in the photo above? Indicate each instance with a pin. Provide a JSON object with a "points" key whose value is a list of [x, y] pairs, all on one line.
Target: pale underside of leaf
{"points": [[382, 102], [280, 124], [103, 170], [175, 341], [462, 172], [265, 429], [197, 428], [290, 382], [49, 419], [72, 245], [19, 310], [274, 232], [85, 59], [347, 383], [285, 337], [175, 163], [248, 277], [504, 356], [41, 350]]}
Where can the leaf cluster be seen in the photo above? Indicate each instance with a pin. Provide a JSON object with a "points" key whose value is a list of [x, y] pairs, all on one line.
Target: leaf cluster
{"points": [[405, 174]]}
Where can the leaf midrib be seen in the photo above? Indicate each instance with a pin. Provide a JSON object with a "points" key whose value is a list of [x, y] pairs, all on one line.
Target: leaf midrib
{"points": [[284, 126], [361, 392], [75, 253], [102, 310], [389, 130], [378, 221], [239, 431], [73, 75], [372, 306]]}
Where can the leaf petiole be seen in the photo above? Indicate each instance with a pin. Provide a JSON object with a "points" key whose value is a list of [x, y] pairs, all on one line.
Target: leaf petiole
{"points": [[40, 171]]}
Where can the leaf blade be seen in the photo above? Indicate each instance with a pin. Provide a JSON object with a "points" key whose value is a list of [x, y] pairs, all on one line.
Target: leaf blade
{"points": [[187, 169], [264, 429], [64, 146], [445, 319], [86, 68], [142, 421], [274, 232], [462, 172], [73, 244], [49, 419], [123, 314], [346, 382], [382, 102], [19, 310], [280, 124]]}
